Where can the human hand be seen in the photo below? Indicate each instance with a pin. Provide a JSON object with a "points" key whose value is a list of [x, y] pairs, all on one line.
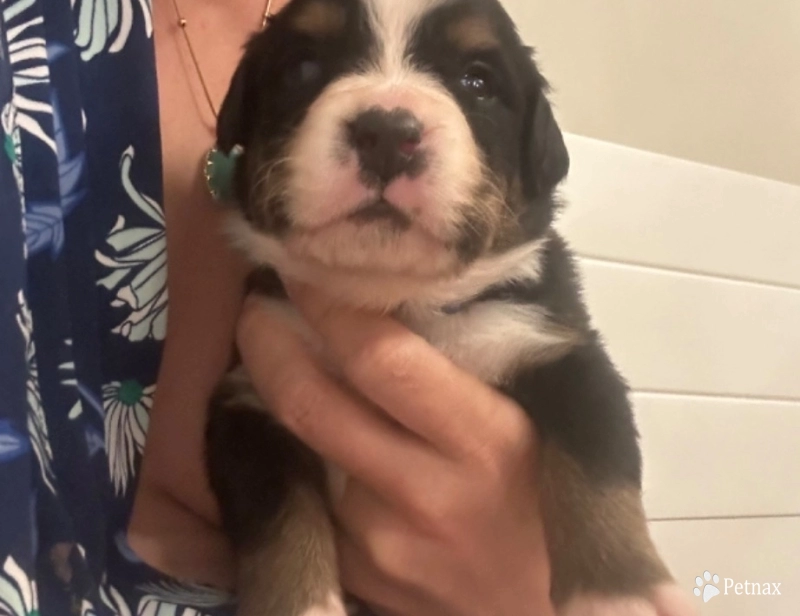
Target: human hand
{"points": [[440, 513]]}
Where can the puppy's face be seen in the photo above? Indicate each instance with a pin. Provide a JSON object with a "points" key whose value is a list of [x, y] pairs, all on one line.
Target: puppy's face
{"points": [[408, 138]]}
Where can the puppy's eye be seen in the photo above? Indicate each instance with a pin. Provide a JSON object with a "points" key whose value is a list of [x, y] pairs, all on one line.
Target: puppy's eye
{"points": [[309, 71], [304, 73], [480, 81]]}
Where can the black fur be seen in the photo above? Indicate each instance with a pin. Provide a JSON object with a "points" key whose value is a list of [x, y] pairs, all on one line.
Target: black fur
{"points": [[579, 402], [516, 128], [253, 465], [270, 90]]}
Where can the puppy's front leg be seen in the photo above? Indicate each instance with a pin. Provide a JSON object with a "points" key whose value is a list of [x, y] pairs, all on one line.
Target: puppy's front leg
{"points": [[603, 560], [271, 490]]}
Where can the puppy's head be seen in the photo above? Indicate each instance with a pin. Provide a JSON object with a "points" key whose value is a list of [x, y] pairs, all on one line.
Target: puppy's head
{"points": [[389, 138]]}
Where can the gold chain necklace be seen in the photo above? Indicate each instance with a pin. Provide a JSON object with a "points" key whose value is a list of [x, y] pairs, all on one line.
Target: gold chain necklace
{"points": [[183, 24], [218, 167]]}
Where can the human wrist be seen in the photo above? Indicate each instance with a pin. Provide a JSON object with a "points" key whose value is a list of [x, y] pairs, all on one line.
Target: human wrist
{"points": [[177, 541]]}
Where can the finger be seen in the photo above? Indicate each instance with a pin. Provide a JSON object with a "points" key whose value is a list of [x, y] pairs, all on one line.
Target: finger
{"points": [[361, 579], [389, 541], [321, 413], [377, 528], [405, 376]]}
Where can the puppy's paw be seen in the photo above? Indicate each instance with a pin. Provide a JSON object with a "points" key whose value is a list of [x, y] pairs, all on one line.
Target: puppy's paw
{"points": [[672, 601], [667, 600], [598, 605], [333, 607]]}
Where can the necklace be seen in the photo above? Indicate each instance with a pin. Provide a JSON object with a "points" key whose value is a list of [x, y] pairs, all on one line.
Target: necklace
{"points": [[218, 167]]}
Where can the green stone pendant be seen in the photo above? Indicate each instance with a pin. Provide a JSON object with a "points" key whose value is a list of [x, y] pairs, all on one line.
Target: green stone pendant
{"points": [[219, 169]]}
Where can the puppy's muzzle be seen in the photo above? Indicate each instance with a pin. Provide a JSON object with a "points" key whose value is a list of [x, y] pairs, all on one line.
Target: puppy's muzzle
{"points": [[387, 143]]}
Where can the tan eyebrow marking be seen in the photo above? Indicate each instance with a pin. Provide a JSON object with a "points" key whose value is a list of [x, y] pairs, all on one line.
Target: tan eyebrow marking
{"points": [[473, 32], [320, 18]]}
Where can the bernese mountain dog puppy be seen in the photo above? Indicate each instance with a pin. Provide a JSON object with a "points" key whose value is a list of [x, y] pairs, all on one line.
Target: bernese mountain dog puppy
{"points": [[402, 156]]}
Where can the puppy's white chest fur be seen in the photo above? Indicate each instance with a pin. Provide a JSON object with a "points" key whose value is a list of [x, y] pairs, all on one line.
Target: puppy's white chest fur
{"points": [[492, 339]]}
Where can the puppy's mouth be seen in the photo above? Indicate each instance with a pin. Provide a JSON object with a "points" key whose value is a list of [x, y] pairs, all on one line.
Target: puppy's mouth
{"points": [[375, 236], [381, 210], [376, 214]]}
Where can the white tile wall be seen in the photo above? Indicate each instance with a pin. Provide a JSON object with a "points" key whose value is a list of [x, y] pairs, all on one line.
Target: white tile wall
{"points": [[638, 207], [743, 550], [684, 333], [718, 457], [713, 81], [693, 275]]}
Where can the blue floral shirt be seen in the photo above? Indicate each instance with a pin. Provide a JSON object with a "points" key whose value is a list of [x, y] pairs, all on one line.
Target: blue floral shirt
{"points": [[83, 306]]}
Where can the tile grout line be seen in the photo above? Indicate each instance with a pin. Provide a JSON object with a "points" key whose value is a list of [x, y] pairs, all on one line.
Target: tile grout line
{"points": [[715, 396], [674, 160], [795, 288], [723, 518]]}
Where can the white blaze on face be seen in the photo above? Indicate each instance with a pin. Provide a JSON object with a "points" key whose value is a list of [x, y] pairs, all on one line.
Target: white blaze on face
{"points": [[324, 186], [393, 23]]}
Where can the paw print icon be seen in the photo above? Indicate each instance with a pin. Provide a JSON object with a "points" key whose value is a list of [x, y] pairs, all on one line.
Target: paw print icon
{"points": [[706, 586]]}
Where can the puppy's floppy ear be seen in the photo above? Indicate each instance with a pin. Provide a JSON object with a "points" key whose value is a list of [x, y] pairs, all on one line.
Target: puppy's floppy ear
{"points": [[545, 157], [237, 115]]}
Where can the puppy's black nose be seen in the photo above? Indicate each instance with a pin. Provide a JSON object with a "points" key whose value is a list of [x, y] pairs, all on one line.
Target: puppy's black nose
{"points": [[387, 142]]}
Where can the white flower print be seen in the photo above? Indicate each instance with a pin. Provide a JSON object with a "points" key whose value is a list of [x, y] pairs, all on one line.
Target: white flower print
{"points": [[18, 596], [86, 399], [87, 609], [105, 25], [139, 266], [110, 596], [173, 601], [113, 600], [153, 606], [67, 373], [37, 425], [28, 59], [127, 406], [165, 595], [12, 144]]}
